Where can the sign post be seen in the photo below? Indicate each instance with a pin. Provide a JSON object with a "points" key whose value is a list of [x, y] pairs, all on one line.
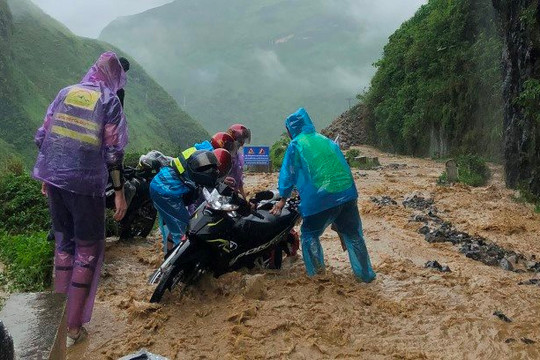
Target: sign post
{"points": [[257, 158]]}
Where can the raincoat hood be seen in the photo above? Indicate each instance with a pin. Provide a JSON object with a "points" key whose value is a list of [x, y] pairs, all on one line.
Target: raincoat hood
{"points": [[107, 70], [299, 123]]}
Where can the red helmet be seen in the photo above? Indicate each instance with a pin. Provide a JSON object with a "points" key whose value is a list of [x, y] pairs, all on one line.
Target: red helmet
{"points": [[222, 140], [240, 133], [224, 161]]}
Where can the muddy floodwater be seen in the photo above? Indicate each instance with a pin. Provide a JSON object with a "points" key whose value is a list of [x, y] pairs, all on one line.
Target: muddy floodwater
{"points": [[473, 311]]}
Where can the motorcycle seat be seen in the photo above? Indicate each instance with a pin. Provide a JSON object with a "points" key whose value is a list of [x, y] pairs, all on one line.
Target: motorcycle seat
{"points": [[252, 225]]}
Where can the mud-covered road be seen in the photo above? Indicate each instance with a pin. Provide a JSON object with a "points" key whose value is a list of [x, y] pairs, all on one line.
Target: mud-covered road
{"points": [[408, 312]]}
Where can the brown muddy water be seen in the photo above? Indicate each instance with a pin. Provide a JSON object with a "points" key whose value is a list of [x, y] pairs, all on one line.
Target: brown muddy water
{"points": [[408, 312]]}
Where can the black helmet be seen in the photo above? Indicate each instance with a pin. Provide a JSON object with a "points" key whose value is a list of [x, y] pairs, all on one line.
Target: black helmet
{"points": [[202, 167]]}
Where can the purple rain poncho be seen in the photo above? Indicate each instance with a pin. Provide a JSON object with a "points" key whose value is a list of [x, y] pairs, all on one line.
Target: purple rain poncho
{"points": [[84, 131], [237, 170]]}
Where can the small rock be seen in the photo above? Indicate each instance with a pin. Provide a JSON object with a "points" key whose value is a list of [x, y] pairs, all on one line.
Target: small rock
{"points": [[424, 230], [384, 201], [419, 218], [502, 316], [435, 265], [510, 340], [528, 341], [530, 282], [506, 265], [512, 259]]}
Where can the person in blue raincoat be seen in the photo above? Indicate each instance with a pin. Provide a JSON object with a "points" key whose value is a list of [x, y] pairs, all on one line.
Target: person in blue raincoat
{"points": [[316, 167], [176, 186]]}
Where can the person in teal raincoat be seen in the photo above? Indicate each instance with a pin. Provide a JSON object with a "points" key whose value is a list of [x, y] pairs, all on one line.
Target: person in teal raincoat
{"points": [[316, 167]]}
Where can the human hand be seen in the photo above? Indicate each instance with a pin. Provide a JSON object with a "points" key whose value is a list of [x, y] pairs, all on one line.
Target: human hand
{"points": [[44, 189], [278, 207], [229, 181], [120, 205]]}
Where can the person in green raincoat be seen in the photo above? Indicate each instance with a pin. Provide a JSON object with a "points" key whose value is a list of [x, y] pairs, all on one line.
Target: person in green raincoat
{"points": [[316, 167]]}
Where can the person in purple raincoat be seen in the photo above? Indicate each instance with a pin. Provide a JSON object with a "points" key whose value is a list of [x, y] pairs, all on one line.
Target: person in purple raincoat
{"points": [[80, 143], [241, 135]]}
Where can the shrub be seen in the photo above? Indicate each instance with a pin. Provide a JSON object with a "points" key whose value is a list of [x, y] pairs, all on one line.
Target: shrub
{"points": [[23, 209], [277, 152], [364, 164], [472, 170], [29, 260], [351, 155], [526, 196]]}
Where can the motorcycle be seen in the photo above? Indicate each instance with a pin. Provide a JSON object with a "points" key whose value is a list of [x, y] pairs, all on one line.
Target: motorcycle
{"points": [[141, 214], [224, 235]]}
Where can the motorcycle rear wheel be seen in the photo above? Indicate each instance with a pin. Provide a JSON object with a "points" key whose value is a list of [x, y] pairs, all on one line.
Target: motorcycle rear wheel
{"points": [[139, 222]]}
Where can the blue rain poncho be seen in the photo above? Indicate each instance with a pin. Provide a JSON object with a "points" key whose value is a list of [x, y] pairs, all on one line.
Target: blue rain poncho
{"points": [[316, 167]]}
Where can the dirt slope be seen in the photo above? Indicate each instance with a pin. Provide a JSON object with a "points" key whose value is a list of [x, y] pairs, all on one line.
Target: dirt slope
{"points": [[409, 312]]}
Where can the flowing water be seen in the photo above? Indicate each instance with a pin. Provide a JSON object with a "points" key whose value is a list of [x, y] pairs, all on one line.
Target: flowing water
{"points": [[408, 312]]}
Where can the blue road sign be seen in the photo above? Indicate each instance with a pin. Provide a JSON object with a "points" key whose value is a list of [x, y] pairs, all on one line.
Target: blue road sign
{"points": [[256, 155]]}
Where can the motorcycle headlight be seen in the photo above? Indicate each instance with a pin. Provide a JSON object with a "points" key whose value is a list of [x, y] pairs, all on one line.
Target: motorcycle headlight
{"points": [[218, 202]]}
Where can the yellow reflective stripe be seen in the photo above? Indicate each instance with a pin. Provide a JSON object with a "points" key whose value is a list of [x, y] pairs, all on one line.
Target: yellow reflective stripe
{"points": [[91, 139], [187, 153], [214, 224], [77, 121], [178, 165]]}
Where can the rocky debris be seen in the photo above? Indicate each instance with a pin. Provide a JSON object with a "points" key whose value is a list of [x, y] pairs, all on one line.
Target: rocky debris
{"points": [[435, 265], [430, 216], [359, 174], [446, 233], [502, 316], [350, 127], [383, 201], [475, 247], [417, 202], [534, 281], [394, 166], [506, 264]]}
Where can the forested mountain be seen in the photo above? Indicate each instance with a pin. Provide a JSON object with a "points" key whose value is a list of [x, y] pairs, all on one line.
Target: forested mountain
{"points": [[39, 56], [258, 61], [438, 86]]}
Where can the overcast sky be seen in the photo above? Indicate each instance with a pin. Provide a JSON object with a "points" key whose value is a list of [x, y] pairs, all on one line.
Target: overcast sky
{"points": [[88, 18]]}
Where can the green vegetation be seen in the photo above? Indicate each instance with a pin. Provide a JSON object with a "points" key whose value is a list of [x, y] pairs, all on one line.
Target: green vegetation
{"points": [[351, 156], [437, 89], [24, 219], [526, 196], [252, 61], [23, 209], [363, 163], [277, 151], [29, 260], [39, 57], [472, 171]]}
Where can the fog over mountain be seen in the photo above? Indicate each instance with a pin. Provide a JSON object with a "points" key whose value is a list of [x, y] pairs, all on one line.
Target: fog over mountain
{"points": [[257, 61], [88, 18]]}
